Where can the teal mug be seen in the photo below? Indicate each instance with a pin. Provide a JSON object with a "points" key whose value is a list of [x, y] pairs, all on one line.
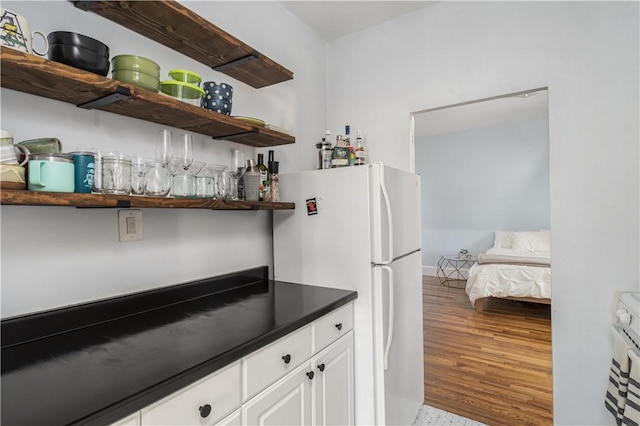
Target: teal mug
{"points": [[51, 173]]}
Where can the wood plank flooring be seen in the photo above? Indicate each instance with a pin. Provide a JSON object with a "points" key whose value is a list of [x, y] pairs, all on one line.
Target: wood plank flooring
{"points": [[493, 367]]}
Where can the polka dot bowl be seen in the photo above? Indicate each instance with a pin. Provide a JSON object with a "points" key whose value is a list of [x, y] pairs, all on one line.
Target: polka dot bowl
{"points": [[218, 97]]}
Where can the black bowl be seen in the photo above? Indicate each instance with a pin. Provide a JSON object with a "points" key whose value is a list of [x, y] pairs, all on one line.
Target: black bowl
{"points": [[78, 57], [75, 39]]}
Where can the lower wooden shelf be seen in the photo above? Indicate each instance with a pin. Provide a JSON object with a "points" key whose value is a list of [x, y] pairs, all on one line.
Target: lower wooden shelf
{"points": [[13, 197]]}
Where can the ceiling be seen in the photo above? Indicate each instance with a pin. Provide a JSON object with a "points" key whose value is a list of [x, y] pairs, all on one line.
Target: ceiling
{"points": [[334, 19]]}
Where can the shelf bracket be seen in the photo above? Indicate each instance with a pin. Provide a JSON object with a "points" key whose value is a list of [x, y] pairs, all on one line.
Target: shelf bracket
{"points": [[237, 135], [253, 55], [120, 93], [85, 4]]}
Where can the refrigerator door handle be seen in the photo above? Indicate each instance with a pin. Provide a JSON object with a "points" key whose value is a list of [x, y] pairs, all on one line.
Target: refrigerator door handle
{"points": [[387, 204], [387, 348]]}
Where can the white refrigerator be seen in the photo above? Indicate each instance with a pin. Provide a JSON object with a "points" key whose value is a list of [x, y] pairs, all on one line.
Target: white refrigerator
{"points": [[359, 228]]}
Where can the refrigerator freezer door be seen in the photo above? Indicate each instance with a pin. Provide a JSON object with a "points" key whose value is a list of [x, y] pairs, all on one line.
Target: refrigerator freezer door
{"points": [[326, 240], [399, 389], [395, 199]]}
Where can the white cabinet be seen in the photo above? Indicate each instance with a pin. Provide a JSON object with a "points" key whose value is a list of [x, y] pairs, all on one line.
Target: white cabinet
{"points": [[132, 420], [333, 384], [319, 392], [202, 403], [304, 378], [264, 366], [332, 326], [233, 419], [287, 402]]}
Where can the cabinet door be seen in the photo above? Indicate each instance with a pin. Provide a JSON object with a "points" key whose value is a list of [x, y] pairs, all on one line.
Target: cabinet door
{"points": [[333, 383], [287, 402], [233, 419], [132, 420]]}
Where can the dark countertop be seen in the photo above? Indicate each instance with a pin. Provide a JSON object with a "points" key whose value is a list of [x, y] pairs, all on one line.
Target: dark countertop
{"points": [[96, 363]]}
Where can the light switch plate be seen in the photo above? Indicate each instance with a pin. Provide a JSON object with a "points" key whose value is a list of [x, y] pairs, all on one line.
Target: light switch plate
{"points": [[130, 225]]}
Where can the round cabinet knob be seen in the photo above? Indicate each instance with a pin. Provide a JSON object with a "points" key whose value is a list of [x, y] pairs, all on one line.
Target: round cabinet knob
{"points": [[321, 367], [623, 316], [286, 359], [339, 326], [205, 410], [310, 375]]}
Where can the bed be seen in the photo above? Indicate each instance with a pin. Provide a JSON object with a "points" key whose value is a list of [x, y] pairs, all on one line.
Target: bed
{"points": [[517, 267]]}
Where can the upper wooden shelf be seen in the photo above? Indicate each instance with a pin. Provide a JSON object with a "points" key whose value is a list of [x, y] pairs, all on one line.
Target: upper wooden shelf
{"points": [[42, 77], [13, 197], [173, 25]]}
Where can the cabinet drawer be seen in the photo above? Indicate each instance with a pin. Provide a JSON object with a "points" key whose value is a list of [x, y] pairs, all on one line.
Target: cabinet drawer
{"points": [[332, 326], [265, 366], [220, 391]]}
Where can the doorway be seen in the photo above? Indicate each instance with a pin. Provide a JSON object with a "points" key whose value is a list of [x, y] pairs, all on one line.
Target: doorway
{"points": [[484, 167]]}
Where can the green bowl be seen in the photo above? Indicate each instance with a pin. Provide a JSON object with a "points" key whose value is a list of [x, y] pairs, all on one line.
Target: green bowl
{"points": [[136, 63], [136, 78], [184, 92], [186, 76]]}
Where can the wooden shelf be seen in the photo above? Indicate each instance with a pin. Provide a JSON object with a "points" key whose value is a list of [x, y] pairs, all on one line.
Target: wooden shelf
{"points": [[38, 76], [13, 197], [173, 25]]}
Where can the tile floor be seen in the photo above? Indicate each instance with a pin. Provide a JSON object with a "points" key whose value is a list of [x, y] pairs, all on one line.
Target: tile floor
{"points": [[428, 416]]}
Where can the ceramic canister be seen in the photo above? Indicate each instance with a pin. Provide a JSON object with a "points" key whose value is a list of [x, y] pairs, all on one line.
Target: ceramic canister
{"points": [[51, 173]]}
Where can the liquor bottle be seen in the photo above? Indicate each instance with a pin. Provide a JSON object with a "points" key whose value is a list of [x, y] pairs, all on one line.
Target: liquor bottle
{"points": [[267, 183], [264, 174], [360, 153], [347, 135], [275, 184], [340, 154]]}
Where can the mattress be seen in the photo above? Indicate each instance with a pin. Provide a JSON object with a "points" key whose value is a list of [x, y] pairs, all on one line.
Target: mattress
{"points": [[502, 272]]}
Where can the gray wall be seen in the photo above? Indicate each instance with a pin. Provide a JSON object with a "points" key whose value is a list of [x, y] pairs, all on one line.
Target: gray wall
{"points": [[481, 180]]}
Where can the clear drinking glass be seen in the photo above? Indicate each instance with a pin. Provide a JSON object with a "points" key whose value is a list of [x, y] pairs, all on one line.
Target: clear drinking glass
{"points": [[164, 148], [157, 180], [138, 171], [184, 181], [220, 182], [185, 150], [238, 167]]}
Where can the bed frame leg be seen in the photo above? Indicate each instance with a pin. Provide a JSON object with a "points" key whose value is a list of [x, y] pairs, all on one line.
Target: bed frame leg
{"points": [[479, 305]]}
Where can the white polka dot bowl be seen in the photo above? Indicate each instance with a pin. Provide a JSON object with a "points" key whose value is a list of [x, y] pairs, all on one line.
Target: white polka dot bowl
{"points": [[218, 97]]}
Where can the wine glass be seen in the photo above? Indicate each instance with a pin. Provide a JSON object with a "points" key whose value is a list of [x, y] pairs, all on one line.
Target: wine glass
{"points": [[185, 151], [164, 148], [237, 169]]}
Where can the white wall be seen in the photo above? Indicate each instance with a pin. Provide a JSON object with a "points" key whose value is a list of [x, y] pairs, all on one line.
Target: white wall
{"points": [[477, 181], [586, 53], [54, 256]]}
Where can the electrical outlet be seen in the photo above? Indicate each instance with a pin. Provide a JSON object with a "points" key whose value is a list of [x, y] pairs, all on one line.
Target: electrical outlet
{"points": [[130, 225]]}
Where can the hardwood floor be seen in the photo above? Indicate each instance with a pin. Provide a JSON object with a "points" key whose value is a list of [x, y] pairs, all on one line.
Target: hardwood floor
{"points": [[493, 367]]}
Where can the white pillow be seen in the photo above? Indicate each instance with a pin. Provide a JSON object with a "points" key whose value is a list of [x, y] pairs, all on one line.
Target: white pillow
{"points": [[503, 239], [527, 242]]}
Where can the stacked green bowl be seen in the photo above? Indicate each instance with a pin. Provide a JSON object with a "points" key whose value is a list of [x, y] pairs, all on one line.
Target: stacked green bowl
{"points": [[136, 70]]}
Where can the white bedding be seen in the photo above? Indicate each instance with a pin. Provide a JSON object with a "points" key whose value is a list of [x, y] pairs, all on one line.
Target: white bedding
{"points": [[510, 279]]}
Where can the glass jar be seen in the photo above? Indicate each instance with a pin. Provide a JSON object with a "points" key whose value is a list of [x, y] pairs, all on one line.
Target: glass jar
{"points": [[116, 174]]}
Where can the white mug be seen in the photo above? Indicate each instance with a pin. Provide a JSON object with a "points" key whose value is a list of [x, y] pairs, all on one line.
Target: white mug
{"points": [[8, 149], [15, 33]]}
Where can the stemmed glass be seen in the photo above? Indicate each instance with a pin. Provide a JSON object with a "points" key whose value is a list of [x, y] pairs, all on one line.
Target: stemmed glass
{"points": [[184, 183], [186, 151], [238, 167], [157, 175], [164, 148]]}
